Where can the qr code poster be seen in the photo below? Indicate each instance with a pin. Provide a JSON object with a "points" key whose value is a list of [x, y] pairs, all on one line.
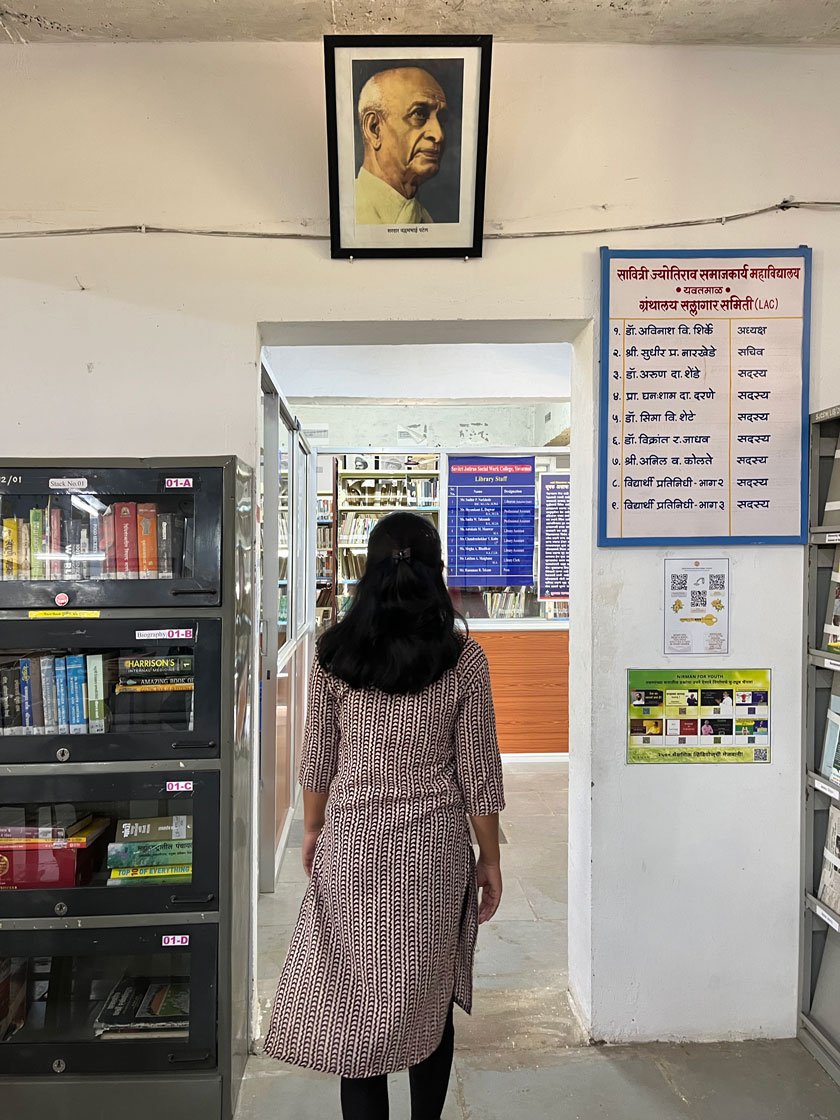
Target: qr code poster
{"points": [[702, 715], [697, 607]]}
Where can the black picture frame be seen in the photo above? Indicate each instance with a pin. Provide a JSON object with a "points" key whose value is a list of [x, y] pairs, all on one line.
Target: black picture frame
{"points": [[460, 66]]}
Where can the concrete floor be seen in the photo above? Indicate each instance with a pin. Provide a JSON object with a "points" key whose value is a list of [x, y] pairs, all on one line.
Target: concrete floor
{"points": [[522, 1053]]}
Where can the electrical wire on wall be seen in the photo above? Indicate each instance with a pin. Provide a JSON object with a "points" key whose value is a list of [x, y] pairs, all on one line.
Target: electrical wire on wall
{"points": [[686, 223]]}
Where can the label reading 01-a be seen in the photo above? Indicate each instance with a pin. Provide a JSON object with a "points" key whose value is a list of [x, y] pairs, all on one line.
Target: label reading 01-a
{"points": [[178, 483], [174, 940]]}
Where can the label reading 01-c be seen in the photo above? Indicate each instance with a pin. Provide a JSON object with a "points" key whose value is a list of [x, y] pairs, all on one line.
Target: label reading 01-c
{"points": [[179, 787]]}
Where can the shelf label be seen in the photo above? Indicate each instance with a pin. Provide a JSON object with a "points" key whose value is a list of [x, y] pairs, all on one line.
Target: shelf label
{"points": [[178, 483], [832, 538], [824, 787], [829, 664], [175, 940], [179, 787], [827, 918], [68, 484], [152, 635], [64, 614]]}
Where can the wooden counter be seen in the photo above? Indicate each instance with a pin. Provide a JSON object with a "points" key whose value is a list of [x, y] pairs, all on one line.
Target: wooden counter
{"points": [[529, 670]]}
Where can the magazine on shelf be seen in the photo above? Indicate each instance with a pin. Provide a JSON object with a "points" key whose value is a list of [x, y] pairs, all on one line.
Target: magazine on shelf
{"points": [[830, 762]]}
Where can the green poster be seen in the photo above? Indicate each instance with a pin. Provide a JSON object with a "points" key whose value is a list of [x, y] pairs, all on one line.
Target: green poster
{"points": [[698, 715]]}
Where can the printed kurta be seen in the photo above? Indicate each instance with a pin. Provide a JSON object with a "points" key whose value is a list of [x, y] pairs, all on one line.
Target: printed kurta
{"points": [[387, 928]]}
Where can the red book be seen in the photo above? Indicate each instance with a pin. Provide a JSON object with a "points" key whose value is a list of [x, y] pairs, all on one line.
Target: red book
{"points": [[54, 568], [147, 530], [35, 868], [109, 544], [125, 529]]}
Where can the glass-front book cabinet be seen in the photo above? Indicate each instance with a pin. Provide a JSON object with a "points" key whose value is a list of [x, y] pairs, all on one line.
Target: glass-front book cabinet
{"points": [[126, 685]]}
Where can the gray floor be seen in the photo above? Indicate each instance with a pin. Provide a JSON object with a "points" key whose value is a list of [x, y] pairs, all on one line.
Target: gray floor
{"points": [[522, 1054]]}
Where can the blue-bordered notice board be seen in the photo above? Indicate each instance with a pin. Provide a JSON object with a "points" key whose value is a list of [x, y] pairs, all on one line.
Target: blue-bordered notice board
{"points": [[704, 396]]}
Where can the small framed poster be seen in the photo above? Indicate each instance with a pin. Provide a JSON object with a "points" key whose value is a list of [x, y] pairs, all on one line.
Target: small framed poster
{"points": [[407, 143], [697, 607]]}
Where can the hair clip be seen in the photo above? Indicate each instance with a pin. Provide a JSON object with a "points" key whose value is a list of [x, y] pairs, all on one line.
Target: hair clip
{"points": [[401, 554]]}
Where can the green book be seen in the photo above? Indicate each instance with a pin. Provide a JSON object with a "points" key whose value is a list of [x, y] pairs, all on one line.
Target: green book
{"points": [[38, 565], [150, 853]]}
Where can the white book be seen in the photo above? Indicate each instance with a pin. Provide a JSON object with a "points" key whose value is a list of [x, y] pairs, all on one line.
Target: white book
{"points": [[50, 695], [829, 891], [95, 694], [831, 630], [831, 514]]}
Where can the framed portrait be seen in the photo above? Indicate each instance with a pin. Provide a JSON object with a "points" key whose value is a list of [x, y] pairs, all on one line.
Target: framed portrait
{"points": [[407, 143]]}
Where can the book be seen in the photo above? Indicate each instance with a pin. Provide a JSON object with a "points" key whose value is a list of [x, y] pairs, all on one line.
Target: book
{"points": [[23, 548], [37, 543], [109, 544], [77, 694], [45, 867], [175, 665], [96, 712], [145, 1004], [164, 871], [125, 529], [178, 546], [829, 889], [37, 696], [160, 686], [64, 823], [176, 827], [81, 839], [26, 696], [147, 538], [61, 697], [96, 564], [72, 543], [10, 710], [49, 693], [831, 515], [150, 853], [831, 631], [56, 540], [188, 566], [163, 682], [164, 545], [10, 548]]}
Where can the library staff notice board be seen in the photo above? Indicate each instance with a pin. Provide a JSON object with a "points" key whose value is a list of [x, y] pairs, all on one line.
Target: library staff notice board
{"points": [[698, 716], [704, 396]]}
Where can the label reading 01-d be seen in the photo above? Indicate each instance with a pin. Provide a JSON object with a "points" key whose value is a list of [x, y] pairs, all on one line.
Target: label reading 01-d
{"points": [[68, 484], [152, 635], [174, 940], [179, 787], [178, 484]]}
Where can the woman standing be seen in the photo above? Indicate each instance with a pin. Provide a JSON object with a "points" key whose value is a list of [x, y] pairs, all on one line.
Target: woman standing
{"points": [[400, 746]]}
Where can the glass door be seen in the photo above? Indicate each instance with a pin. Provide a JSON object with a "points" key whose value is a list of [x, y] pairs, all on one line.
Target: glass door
{"points": [[109, 843], [125, 1000], [108, 690], [109, 536]]}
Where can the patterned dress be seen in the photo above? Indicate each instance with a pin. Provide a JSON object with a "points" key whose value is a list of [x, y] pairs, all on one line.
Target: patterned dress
{"points": [[387, 928]]}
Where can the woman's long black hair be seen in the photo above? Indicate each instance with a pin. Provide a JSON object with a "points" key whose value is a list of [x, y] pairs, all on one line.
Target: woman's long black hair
{"points": [[399, 634]]}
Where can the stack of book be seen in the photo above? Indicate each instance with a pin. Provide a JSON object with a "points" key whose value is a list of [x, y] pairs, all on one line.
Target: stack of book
{"points": [[49, 847], [47, 695], [146, 1007], [71, 538], [155, 691], [151, 851]]}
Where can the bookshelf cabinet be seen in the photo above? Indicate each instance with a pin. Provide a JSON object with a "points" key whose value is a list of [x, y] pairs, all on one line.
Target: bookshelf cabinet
{"points": [[125, 801], [819, 1018]]}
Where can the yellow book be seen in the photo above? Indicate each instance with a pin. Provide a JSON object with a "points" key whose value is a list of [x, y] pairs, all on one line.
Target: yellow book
{"points": [[10, 548]]}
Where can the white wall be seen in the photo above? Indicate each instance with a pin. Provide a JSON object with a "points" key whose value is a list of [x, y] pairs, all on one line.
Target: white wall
{"points": [[540, 370], [685, 886], [431, 425]]}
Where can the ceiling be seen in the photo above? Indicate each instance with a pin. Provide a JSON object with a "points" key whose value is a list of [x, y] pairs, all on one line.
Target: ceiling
{"points": [[805, 22]]}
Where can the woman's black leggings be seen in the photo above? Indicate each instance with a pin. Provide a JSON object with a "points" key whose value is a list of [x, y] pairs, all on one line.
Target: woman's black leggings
{"points": [[366, 1098]]}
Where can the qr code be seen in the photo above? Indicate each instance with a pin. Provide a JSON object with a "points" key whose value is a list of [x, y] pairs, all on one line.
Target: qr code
{"points": [[759, 754], [698, 599], [717, 582], [679, 582]]}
